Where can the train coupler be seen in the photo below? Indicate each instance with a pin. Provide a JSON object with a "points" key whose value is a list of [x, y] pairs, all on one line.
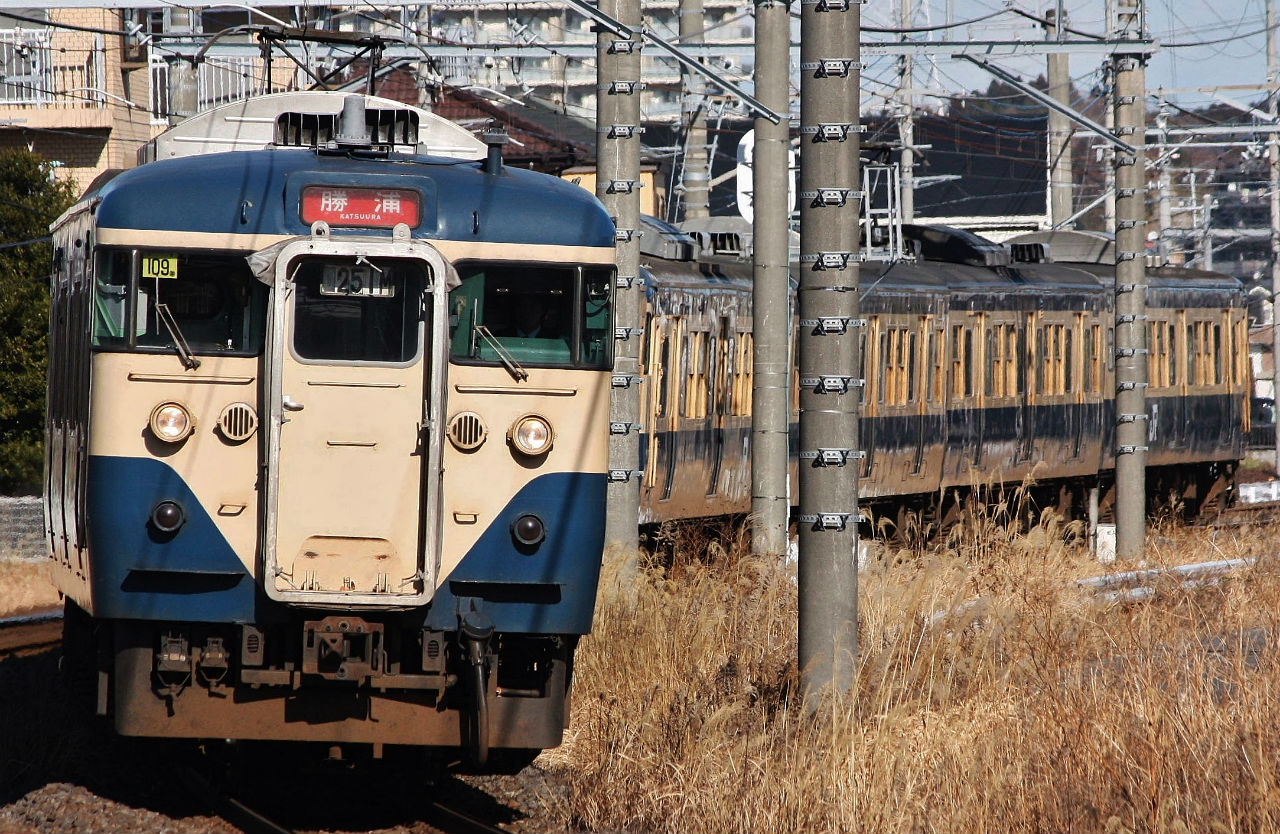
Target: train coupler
{"points": [[343, 649]]}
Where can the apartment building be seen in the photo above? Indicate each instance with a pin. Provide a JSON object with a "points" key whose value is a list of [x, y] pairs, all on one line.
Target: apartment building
{"points": [[553, 59], [86, 88]]}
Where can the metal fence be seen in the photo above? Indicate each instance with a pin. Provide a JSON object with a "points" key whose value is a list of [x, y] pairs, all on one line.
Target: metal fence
{"points": [[218, 81], [44, 68], [22, 529]]}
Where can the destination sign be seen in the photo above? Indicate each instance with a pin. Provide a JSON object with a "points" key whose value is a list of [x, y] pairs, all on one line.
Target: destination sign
{"points": [[376, 208]]}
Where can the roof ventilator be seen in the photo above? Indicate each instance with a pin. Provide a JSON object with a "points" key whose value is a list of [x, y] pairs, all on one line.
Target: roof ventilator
{"points": [[352, 128], [495, 137]]}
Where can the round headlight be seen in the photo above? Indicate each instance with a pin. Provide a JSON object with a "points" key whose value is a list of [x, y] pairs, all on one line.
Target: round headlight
{"points": [[528, 530], [531, 435], [171, 423], [167, 516]]}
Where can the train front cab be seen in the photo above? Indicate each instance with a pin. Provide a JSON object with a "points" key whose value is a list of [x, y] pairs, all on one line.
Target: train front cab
{"points": [[346, 574]]}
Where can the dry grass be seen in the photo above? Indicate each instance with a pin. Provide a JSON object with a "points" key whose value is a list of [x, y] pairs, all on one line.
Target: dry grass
{"points": [[1036, 710], [25, 586]]}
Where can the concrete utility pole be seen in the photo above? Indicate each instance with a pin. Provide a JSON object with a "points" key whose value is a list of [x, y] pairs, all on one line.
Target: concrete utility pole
{"points": [[830, 390], [1131, 290], [1109, 122], [1206, 238], [696, 171], [771, 318], [618, 187], [1163, 186], [1061, 186], [1273, 160], [907, 119]]}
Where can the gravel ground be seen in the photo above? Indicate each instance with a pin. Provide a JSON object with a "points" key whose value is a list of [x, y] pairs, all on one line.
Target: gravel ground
{"points": [[59, 774]]}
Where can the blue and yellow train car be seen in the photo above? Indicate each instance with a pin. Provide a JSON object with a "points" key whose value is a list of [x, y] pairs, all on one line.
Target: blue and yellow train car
{"points": [[327, 432]]}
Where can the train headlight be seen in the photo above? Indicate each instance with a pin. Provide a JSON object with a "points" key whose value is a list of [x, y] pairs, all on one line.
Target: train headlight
{"points": [[531, 435], [528, 530], [167, 516], [171, 422]]}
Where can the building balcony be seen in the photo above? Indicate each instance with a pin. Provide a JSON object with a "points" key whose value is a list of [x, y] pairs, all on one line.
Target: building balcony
{"points": [[53, 79]]}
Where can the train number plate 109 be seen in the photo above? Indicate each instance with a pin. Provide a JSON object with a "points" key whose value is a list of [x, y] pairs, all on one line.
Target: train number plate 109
{"points": [[159, 266], [355, 279]]}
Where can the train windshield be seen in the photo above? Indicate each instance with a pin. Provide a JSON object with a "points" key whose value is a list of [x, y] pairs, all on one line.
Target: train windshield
{"points": [[535, 314], [362, 311], [148, 300]]}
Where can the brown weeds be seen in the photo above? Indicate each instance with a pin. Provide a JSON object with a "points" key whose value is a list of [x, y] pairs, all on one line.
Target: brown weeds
{"points": [[991, 694]]}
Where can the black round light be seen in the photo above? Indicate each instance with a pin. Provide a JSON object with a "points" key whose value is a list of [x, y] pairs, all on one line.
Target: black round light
{"points": [[528, 530], [167, 516]]}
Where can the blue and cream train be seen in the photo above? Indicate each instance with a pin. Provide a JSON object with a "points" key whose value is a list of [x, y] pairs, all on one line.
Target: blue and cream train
{"points": [[983, 363], [327, 432], [327, 446]]}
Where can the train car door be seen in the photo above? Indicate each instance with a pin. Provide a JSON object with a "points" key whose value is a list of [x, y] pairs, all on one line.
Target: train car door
{"points": [[353, 390]]}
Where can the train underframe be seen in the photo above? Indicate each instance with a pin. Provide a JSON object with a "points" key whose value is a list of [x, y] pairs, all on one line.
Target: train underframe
{"points": [[1184, 492], [1187, 493], [490, 700]]}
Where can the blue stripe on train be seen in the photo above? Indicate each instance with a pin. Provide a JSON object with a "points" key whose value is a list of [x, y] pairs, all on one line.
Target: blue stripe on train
{"points": [[195, 576], [549, 589], [140, 573]]}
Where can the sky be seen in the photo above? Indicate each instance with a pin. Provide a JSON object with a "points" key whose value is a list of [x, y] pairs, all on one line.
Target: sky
{"points": [[1203, 43]]}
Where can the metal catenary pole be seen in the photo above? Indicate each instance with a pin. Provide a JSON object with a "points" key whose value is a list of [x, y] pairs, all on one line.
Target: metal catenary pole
{"points": [[618, 187], [830, 387], [771, 322], [696, 174], [1130, 292]]}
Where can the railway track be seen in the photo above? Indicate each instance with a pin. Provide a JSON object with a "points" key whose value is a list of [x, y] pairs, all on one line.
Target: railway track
{"points": [[30, 633], [436, 814], [1244, 515], [422, 809]]}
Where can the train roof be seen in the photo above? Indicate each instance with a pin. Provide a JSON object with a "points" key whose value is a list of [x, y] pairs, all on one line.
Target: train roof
{"points": [[258, 192], [304, 118]]}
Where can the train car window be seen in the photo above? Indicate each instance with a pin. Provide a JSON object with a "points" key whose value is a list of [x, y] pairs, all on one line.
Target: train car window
{"points": [[898, 392], [1241, 352], [1041, 354], [1090, 381], [970, 386], [1217, 355], [214, 300], [1193, 356], [357, 313], [660, 381], [957, 363], [1011, 363], [724, 369], [695, 393], [1068, 363], [930, 360], [883, 382], [993, 357], [912, 383], [549, 315]]}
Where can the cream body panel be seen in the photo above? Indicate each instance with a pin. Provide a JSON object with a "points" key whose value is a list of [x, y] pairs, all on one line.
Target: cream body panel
{"points": [[350, 479], [479, 484], [222, 474], [453, 250]]}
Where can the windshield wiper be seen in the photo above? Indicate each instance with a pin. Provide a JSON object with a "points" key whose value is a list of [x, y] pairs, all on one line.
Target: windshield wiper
{"points": [[504, 356], [179, 341]]}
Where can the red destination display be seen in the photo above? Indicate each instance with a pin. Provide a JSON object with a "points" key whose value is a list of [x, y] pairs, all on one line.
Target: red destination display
{"points": [[378, 208]]}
